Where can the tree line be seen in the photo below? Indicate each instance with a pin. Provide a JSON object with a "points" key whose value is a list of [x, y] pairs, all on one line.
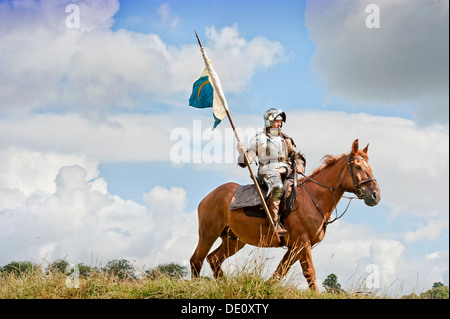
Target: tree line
{"points": [[121, 268]]}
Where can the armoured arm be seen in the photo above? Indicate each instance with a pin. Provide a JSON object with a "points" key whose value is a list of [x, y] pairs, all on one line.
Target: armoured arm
{"points": [[294, 153], [251, 153]]}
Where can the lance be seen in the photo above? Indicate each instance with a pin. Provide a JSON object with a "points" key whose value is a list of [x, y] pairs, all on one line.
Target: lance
{"points": [[252, 175]]}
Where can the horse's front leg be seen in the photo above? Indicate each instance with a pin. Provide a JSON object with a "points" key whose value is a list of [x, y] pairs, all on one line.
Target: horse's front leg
{"points": [[307, 265]]}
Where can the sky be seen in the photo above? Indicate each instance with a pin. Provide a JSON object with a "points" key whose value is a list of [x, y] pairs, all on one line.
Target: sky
{"points": [[101, 157]]}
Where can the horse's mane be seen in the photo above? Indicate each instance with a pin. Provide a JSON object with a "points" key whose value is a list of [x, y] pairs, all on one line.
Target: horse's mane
{"points": [[327, 160]]}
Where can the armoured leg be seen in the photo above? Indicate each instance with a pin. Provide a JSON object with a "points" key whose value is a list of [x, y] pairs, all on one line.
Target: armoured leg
{"points": [[274, 182]]}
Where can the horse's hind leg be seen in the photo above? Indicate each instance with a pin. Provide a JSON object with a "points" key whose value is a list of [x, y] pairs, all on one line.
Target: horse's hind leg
{"points": [[228, 248], [213, 215], [203, 247]]}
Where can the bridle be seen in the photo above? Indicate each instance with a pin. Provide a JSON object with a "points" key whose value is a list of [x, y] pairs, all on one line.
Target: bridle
{"points": [[358, 192]]}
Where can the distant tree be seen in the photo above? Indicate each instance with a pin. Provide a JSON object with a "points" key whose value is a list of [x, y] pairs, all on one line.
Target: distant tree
{"points": [[331, 284], [19, 267], [58, 265], [84, 270], [63, 266], [120, 268], [172, 270], [438, 291]]}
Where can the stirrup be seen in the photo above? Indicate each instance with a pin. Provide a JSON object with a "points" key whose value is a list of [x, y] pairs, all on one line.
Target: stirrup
{"points": [[281, 232]]}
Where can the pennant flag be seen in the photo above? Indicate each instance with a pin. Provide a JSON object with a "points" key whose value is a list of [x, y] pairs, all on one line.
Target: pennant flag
{"points": [[204, 96], [202, 92]]}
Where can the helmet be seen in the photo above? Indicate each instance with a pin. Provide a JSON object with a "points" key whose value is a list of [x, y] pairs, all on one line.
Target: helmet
{"points": [[272, 115]]}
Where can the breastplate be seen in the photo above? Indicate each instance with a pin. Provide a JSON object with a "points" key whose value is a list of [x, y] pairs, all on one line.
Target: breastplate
{"points": [[272, 149]]}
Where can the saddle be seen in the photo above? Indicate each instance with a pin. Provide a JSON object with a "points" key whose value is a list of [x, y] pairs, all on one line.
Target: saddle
{"points": [[246, 197]]}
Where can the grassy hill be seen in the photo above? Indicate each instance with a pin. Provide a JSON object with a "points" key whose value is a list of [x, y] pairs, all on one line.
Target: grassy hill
{"points": [[120, 280], [102, 285]]}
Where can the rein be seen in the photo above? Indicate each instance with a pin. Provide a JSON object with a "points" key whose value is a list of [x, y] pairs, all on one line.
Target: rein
{"points": [[358, 192], [332, 189]]}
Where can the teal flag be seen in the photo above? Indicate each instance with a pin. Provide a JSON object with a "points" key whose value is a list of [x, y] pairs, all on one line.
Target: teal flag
{"points": [[203, 96], [202, 93]]}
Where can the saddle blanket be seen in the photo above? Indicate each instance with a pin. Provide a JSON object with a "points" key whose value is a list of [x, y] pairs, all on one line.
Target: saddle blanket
{"points": [[247, 195]]}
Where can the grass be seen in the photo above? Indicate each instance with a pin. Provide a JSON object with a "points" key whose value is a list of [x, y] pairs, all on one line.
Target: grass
{"points": [[102, 285], [245, 278]]}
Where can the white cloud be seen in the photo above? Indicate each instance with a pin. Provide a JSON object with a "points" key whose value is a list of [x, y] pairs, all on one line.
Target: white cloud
{"points": [[410, 162], [237, 60], [123, 138], [435, 255], [69, 212], [171, 200], [433, 229], [348, 249], [387, 254], [89, 70], [405, 61], [168, 18], [31, 171]]}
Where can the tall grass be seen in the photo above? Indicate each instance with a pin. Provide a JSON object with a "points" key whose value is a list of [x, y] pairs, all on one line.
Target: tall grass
{"points": [[247, 280], [101, 285]]}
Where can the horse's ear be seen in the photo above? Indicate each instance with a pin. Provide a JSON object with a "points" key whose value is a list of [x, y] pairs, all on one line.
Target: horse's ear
{"points": [[366, 148], [355, 146]]}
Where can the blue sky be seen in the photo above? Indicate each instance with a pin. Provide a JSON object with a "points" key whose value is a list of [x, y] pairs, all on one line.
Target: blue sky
{"points": [[91, 114]]}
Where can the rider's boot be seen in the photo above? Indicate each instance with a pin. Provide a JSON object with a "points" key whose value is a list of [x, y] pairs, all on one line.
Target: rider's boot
{"points": [[274, 207]]}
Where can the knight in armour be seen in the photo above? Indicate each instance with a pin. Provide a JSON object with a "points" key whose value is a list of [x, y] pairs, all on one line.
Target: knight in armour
{"points": [[278, 159]]}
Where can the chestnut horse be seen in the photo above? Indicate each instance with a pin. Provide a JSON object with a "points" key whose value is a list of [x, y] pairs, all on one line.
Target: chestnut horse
{"points": [[317, 197]]}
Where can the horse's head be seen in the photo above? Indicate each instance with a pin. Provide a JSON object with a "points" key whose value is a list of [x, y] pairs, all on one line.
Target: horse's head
{"points": [[359, 178]]}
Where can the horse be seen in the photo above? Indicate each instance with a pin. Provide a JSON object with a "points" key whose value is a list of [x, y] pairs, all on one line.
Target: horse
{"points": [[317, 196]]}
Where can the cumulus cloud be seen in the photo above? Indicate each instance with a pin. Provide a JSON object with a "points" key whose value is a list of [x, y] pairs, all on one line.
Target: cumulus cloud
{"points": [[353, 251], [432, 230], [28, 171], [168, 18], [404, 61], [348, 249], [410, 162], [237, 60], [69, 212], [125, 137], [387, 254], [46, 65]]}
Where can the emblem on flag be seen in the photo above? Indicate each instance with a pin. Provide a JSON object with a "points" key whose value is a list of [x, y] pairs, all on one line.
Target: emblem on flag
{"points": [[202, 93], [203, 96]]}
